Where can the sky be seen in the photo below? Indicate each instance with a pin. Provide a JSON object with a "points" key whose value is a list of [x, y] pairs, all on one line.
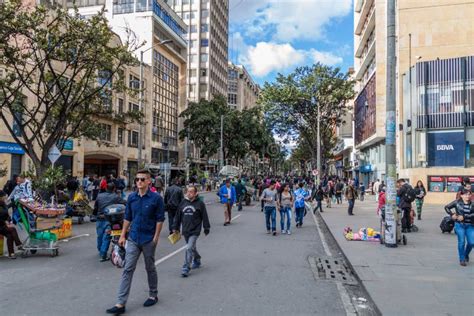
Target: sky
{"points": [[276, 36]]}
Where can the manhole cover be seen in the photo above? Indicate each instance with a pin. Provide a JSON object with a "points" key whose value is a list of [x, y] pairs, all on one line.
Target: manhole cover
{"points": [[331, 269]]}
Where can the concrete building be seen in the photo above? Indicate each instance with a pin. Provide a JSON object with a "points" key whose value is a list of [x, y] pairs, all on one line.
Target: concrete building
{"points": [[208, 33], [436, 94], [242, 90], [342, 164], [154, 23]]}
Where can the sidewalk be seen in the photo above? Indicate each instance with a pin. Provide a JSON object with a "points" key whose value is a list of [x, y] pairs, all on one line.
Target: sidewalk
{"points": [[422, 278]]}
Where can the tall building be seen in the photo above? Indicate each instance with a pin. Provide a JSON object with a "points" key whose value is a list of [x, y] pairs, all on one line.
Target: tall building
{"points": [[164, 35], [242, 90], [208, 33], [435, 92]]}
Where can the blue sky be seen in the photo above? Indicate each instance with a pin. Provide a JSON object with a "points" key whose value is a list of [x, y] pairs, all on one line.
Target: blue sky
{"points": [[271, 36]]}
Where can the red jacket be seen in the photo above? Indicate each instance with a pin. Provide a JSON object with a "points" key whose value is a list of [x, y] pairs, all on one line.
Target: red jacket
{"points": [[381, 201], [103, 184]]}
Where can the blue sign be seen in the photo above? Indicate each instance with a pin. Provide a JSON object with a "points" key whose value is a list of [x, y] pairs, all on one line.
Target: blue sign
{"points": [[366, 169], [446, 149], [11, 148], [68, 144]]}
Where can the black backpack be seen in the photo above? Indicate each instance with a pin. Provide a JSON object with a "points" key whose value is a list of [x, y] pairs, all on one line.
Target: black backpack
{"points": [[410, 194]]}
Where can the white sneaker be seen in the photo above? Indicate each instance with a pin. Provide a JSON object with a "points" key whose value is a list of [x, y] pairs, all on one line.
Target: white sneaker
{"points": [[289, 232], [268, 232], [283, 231]]}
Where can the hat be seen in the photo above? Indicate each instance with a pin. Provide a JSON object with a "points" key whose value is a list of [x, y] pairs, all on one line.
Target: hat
{"points": [[2, 193]]}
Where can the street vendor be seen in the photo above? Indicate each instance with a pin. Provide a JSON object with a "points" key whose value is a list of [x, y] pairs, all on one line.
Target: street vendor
{"points": [[22, 191], [7, 229]]}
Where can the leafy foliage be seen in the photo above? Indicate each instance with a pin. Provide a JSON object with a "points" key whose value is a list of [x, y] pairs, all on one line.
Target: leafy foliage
{"points": [[69, 66], [48, 183]]}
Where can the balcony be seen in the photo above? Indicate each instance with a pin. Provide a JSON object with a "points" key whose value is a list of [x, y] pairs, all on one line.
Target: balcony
{"points": [[366, 61], [367, 37], [358, 5], [367, 10]]}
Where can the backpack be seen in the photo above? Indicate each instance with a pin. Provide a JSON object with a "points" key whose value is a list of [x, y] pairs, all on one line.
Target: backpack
{"points": [[410, 194]]}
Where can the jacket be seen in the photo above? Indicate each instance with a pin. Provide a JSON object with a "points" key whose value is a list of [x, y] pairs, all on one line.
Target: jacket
{"points": [[223, 192], [404, 204], [458, 206], [191, 217], [420, 193], [4, 216], [240, 189], [351, 193], [106, 199], [173, 197]]}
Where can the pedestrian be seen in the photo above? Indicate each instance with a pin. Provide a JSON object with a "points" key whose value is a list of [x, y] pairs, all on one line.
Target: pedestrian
{"points": [[466, 184], [262, 187], [376, 189], [269, 197], [318, 195], [7, 229], [240, 191], [330, 193], [190, 218], [463, 216], [301, 195], [10, 185], [228, 197], [144, 215], [102, 225], [406, 196], [285, 203], [362, 191], [351, 196], [420, 193], [173, 198], [339, 189], [95, 187], [103, 184], [90, 188]]}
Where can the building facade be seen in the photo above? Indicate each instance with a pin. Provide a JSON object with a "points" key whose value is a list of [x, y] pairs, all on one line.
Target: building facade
{"points": [[242, 90], [436, 94]]}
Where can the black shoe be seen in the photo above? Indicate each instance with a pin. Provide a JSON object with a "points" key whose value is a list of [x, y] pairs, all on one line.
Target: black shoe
{"points": [[116, 310], [467, 259], [151, 301], [419, 217], [404, 230], [225, 224], [274, 233], [104, 258]]}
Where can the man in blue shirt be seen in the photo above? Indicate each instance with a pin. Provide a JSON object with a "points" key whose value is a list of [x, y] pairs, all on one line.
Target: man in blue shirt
{"points": [[301, 195], [144, 216], [228, 197]]}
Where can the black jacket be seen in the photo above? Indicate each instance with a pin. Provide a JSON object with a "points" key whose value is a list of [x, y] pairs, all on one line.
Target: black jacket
{"points": [[191, 215], [4, 216], [106, 199], [458, 206], [401, 194], [173, 197], [420, 193]]}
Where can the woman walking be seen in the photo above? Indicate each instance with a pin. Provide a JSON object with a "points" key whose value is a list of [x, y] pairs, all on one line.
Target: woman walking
{"points": [[464, 224], [420, 193], [286, 201], [318, 195]]}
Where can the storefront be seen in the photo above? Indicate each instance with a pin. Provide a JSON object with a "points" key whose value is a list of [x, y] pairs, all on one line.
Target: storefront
{"points": [[11, 158]]}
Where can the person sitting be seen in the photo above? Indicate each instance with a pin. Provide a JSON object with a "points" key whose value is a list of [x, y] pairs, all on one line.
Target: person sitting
{"points": [[7, 229]]}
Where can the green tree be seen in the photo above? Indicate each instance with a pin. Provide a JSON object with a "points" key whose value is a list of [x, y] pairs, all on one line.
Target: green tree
{"points": [[291, 105], [69, 68]]}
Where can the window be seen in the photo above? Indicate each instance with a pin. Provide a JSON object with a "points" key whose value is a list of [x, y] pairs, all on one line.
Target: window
{"points": [[105, 132], [134, 82], [233, 86], [204, 58], [141, 5], [203, 72], [192, 58], [120, 106], [204, 28], [233, 74], [192, 73], [204, 42], [132, 107], [133, 139], [232, 98], [120, 136], [192, 43], [18, 116], [204, 14], [123, 6], [193, 28], [192, 88]]}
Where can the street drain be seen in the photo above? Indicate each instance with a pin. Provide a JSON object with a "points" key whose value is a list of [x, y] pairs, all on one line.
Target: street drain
{"points": [[331, 269]]}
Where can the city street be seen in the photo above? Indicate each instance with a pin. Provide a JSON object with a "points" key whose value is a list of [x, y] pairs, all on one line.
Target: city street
{"points": [[244, 272]]}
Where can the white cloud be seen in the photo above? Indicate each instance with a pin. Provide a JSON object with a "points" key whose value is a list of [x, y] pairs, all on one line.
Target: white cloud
{"points": [[267, 57], [287, 19]]}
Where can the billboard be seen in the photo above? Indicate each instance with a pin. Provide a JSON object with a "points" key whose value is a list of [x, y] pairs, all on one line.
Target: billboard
{"points": [[446, 149]]}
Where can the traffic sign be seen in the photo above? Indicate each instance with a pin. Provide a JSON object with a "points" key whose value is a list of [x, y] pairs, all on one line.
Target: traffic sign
{"points": [[54, 154]]}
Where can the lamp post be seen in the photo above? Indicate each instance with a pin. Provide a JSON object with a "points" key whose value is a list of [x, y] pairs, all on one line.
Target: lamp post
{"points": [[140, 101]]}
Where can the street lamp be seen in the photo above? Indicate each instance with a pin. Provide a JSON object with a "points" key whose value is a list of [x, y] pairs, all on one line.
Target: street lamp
{"points": [[142, 95]]}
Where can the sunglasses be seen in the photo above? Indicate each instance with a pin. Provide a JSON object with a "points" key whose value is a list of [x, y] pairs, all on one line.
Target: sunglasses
{"points": [[140, 179]]}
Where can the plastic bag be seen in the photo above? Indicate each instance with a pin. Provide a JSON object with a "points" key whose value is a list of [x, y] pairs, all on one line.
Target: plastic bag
{"points": [[118, 256]]}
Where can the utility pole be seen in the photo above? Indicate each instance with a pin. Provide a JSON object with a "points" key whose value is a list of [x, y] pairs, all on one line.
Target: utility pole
{"points": [[318, 139], [140, 106], [391, 215], [222, 143]]}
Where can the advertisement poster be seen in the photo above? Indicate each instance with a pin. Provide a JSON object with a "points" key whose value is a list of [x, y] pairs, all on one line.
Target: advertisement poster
{"points": [[453, 184], [446, 149], [436, 184]]}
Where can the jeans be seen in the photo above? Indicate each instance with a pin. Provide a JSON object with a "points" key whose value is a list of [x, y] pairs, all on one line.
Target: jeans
{"points": [[299, 214], [464, 232], [239, 202], [171, 216], [270, 212], [350, 210], [191, 252], [285, 211], [339, 198], [132, 254], [419, 206], [319, 206], [103, 239]]}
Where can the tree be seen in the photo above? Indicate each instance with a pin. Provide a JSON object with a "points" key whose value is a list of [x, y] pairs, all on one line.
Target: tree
{"points": [[61, 73], [291, 105]]}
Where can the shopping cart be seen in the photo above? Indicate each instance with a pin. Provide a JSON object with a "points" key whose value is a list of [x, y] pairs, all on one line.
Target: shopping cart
{"points": [[39, 233]]}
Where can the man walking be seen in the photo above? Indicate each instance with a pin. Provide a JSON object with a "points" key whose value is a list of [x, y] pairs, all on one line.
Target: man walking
{"points": [[173, 197], [351, 195], [406, 195], [228, 197], [269, 197], [339, 188], [144, 216], [240, 191], [190, 218], [301, 195], [376, 190], [102, 225]]}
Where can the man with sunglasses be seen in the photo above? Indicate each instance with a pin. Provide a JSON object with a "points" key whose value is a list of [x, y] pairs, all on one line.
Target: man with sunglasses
{"points": [[144, 217]]}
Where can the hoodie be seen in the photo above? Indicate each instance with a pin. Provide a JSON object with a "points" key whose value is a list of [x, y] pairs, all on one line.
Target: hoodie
{"points": [[191, 216]]}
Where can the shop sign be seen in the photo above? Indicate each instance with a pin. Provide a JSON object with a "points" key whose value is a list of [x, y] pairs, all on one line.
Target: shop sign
{"points": [[11, 148], [453, 184], [436, 184], [68, 144], [446, 149]]}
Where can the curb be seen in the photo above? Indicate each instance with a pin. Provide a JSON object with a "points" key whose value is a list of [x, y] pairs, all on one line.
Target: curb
{"points": [[349, 263]]}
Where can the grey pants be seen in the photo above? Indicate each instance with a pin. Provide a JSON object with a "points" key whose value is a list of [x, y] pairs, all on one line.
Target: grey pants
{"points": [[132, 254], [191, 251]]}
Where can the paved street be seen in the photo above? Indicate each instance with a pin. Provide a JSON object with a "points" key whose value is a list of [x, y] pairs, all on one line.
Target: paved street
{"points": [[245, 272]]}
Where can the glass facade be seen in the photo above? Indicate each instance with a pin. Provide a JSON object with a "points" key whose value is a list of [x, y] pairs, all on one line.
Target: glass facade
{"points": [[165, 99], [364, 112]]}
